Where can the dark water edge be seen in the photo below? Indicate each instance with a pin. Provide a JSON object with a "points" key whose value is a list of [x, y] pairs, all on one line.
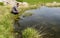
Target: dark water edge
{"points": [[45, 19]]}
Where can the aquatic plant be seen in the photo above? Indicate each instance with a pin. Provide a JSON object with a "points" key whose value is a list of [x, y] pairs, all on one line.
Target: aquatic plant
{"points": [[30, 33]]}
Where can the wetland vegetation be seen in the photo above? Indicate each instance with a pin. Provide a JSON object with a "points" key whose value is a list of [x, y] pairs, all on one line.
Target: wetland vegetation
{"points": [[46, 21]]}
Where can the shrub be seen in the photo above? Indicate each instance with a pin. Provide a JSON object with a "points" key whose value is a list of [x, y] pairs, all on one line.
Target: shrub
{"points": [[1, 3], [30, 33]]}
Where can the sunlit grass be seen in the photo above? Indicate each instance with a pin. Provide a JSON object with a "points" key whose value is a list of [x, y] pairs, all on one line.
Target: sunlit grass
{"points": [[30, 33], [40, 1], [6, 23]]}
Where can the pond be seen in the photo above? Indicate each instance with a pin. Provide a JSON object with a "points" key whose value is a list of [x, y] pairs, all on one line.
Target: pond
{"points": [[45, 19]]}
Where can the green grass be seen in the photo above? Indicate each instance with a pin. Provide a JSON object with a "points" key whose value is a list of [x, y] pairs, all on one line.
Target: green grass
{"points": [[40, 1], [32, 1], [30, 33], [6, 22]]}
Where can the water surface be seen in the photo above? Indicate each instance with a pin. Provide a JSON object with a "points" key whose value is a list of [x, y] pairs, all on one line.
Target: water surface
{"points": [[45, 19]]}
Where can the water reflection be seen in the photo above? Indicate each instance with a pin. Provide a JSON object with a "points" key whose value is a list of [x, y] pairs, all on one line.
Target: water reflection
{"points": [[44, 19]]}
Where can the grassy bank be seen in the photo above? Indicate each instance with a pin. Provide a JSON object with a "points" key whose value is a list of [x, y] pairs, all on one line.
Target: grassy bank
{"points": [[40, 1], [6, 22]]}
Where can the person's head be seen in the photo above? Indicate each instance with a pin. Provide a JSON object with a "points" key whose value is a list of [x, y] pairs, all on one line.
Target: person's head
{"points": [[17, 4]]}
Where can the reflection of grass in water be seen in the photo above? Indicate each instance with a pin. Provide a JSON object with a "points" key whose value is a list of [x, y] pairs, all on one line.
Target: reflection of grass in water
{"points": [[27, 14], [44, 30], [22, 9]]}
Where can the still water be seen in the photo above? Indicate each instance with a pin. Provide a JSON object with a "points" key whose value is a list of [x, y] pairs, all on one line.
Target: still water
{"points": [[45, 19]]}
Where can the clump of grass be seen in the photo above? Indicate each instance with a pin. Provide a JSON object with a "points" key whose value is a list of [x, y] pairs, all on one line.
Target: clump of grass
{"points": [[30, 33]]}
